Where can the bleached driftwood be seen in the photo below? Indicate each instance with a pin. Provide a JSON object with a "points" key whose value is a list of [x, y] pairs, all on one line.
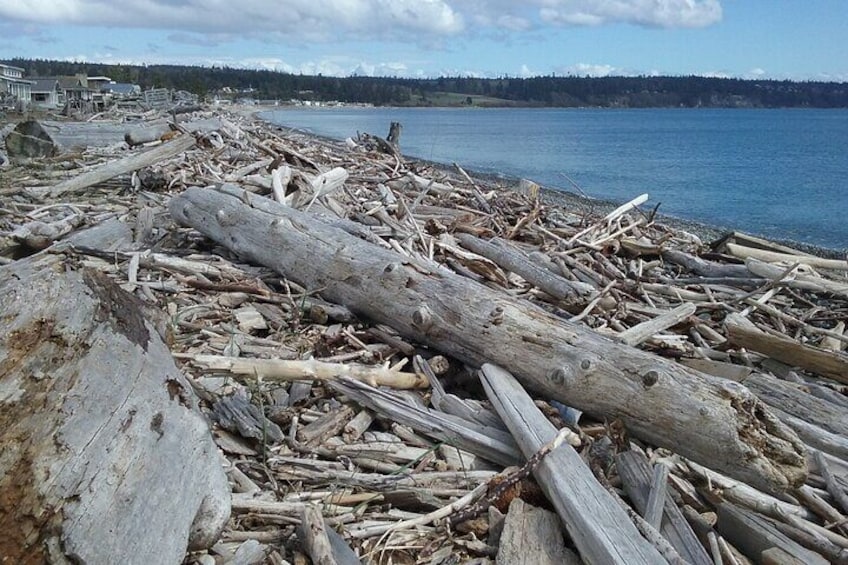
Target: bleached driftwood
{"points": [[533, 536], [601, 530], [743, 333], [697, 415], [512, 259], [772, 257], [639, 333], [289, 370], [634, 470], [105, 456], [39, 139], [154, 131], [128, 164]]}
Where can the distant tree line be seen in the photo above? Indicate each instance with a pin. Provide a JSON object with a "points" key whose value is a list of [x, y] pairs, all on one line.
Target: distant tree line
{"points": [[562, 91]]}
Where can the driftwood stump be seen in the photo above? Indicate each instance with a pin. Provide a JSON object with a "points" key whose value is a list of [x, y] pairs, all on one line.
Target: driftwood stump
{"points": [[103, 455]]}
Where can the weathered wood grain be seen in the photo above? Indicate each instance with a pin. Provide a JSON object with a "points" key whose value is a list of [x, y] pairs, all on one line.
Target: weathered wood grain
{"points": [[105, 458]]}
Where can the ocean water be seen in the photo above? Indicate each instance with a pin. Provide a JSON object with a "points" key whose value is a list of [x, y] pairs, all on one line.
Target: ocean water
{"points": [[782, 174]]}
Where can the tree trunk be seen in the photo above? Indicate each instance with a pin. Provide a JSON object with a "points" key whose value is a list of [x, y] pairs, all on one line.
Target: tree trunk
{"points": [[105, 458], [39, 139], [717, 422]]}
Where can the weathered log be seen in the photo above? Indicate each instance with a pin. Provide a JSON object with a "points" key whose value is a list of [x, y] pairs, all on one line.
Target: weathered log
{"points": [[34, 139], [717, 422], [741, 332], [153, 131], [126, 165], [512, 259], [105, 458], [753, 534], [772, 257]]}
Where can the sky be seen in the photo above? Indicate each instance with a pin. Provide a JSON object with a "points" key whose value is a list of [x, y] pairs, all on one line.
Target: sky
{"points": [[779, 39]]}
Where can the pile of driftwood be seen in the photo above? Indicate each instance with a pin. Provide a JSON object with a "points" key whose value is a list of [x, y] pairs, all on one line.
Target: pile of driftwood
{"points": [[399, 364]]}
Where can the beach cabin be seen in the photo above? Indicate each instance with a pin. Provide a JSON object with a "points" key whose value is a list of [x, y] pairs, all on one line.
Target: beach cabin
{"points": [[46, 92], [13, 85]]}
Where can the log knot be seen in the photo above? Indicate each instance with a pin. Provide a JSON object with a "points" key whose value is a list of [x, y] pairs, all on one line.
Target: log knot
{"points": [[650, 378], [561, 376], [225, 219], [422, 318]]}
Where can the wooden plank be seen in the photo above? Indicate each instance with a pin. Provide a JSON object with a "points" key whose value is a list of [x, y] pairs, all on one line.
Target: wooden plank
{"points": [[659, 401], [600, 529], [640, 332], [753, 535], [635, 472]]}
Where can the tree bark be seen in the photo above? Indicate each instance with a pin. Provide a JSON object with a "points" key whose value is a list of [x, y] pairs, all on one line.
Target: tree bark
{"points": [[105, 458], [717, 422]]}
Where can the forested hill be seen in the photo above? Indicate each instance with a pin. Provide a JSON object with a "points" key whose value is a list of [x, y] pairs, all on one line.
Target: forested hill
{"points": [[613, 92]]}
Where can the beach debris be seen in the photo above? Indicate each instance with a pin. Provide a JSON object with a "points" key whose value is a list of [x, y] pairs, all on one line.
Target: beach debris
{"points": [[392, 355]]}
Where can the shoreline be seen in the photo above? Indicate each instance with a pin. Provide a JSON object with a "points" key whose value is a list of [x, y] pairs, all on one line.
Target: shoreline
{"points": [[568, 199]]}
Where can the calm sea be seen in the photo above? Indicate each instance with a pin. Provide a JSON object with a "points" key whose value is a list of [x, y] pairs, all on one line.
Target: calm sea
{"points": [[782, 174]]}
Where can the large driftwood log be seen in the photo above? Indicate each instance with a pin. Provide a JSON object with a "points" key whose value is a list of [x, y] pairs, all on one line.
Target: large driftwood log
{"points": [[39, 139], [103, 455], [717, 422], [128, 164]]}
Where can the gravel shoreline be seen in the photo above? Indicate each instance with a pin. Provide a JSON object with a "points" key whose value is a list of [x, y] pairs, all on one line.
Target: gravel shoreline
{"points": [[572, 201]]}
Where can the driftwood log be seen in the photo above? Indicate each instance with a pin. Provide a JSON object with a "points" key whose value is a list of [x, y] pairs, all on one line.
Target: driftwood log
{"points": [[103, 455], [39, 139], [714, 421]]}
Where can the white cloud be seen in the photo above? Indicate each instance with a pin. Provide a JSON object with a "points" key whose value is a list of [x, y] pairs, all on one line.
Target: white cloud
{"points": [[294, 19], [651, 13], [591, 70]]}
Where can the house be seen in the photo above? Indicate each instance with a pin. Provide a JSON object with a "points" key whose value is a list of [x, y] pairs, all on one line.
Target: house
{"points": [[97, 83], [46, 92], [75, 89], [12, 83]]}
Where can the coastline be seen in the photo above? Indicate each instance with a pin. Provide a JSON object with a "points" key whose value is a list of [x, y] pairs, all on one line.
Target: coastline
{"points": [[569, 200]]}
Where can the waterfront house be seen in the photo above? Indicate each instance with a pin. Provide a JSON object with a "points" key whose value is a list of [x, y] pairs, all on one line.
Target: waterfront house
{"points": [[46, 92], [13, 84], [75, 89]]}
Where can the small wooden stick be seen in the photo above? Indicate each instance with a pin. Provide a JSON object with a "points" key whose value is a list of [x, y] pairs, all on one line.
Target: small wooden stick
{"points": [[289, 370]]}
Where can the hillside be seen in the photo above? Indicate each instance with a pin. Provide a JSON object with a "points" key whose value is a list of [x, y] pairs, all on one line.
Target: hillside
{"points": [[568, 91]]}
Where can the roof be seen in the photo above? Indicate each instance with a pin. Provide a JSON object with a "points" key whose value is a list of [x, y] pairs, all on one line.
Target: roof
{"points": [[44, 84], [12, 67], [71, 83], [121, 88]]}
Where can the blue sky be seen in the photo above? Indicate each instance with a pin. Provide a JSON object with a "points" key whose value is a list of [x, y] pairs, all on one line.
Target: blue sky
{"points": [[794, 39]]}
